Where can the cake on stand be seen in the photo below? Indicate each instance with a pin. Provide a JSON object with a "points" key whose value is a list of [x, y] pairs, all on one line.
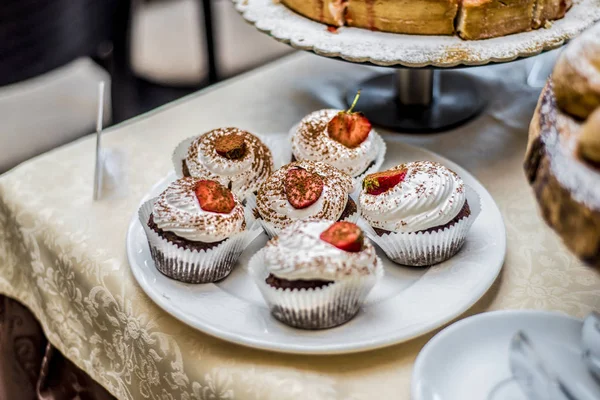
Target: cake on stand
{"points": [[563, 157], [425, 93]]}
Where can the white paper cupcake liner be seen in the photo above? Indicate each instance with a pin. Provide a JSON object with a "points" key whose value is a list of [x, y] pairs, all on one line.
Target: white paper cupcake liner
{"points": [[180, 154], [427, 248], [272, 231], [319, 308], [382, 149], [192, 266]]}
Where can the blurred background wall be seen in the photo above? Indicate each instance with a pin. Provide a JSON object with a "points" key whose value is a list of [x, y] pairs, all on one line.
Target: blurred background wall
{"points": [[149, 52]]}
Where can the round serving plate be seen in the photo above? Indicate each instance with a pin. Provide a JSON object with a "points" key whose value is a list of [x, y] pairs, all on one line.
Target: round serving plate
{"points": [[482, 371], [392, 49], [406, 303]]}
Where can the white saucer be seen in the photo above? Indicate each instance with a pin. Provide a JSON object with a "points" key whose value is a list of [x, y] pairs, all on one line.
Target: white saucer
{"points": [[407, 303], [469, 358]]}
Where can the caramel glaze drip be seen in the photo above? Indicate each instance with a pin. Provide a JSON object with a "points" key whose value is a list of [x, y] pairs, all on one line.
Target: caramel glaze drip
{"points": [[321, 5], [371, 14]]}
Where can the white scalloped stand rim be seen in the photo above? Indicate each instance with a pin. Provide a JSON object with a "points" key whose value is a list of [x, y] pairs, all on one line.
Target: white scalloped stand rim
{"points": [[389, 49], [406, 303]]}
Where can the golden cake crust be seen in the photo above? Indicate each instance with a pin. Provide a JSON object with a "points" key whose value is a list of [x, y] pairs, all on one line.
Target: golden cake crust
{"points": [[483, 19], [421, 17], [549, 10]]}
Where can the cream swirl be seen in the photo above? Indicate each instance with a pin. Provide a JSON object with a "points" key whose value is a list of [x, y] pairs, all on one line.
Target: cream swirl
{"points": [[273, 206], [298, 253], [242, 175], [310, 141], [430, 195], [177, 210]]}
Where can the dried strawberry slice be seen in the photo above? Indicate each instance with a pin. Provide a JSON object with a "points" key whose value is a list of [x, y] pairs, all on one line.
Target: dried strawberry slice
{"points": [[214, 197], [349, 128], [345, 236], [381, 182], [302, 188]]}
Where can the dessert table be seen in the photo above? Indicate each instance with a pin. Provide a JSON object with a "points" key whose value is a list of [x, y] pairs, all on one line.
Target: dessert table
{"points": [[63, 255]]}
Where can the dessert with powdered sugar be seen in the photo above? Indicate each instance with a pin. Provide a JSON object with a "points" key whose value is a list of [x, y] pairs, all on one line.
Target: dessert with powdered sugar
{"points": [[302, 190], [316, 274], [235, 158]]}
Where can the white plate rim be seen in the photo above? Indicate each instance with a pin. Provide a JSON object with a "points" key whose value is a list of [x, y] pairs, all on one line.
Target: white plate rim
{"points": [[334, 348], [424, 354]]}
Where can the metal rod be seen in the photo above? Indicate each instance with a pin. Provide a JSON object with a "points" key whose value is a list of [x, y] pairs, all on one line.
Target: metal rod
{"points": [[416, 86]]}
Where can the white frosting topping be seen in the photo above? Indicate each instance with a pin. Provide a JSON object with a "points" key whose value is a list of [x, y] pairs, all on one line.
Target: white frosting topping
{"points": [[243, 175], [430, 195], [298, 253], [311, 141], [177, 210], [274, 207]]}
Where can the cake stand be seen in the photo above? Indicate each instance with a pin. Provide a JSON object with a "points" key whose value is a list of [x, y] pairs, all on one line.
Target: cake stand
{"points": [[423, 95]]}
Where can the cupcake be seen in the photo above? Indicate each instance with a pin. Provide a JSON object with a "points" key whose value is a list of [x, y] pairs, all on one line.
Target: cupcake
{"points": [[196, 230], [343, 139], [316, 274], [420, 212], [233, 157], [302, 190]]}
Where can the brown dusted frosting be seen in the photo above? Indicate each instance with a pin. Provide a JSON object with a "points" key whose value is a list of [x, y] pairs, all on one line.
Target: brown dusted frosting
{"points": [[242, 175], [273, 206], [310, 141], [177, 210]]}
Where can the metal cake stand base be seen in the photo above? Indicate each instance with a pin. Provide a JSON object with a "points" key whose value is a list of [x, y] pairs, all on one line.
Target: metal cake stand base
{"points": [[420, 100]]}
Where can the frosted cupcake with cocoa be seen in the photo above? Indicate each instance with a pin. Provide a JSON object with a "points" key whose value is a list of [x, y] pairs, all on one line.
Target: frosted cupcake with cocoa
{"points": [[196, 230], [420, 212], [343, 139], [316, 274], [303, 190], [233, 157]]}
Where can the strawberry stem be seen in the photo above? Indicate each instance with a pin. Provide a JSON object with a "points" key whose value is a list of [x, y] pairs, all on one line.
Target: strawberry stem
{"points": [[354, 102]]}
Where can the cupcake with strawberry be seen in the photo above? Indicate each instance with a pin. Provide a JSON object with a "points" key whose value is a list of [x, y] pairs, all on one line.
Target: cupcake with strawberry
{"points": [[316, 274], [233, 157], [196, 230], [302, 190], [343, 139], [420, 212]]}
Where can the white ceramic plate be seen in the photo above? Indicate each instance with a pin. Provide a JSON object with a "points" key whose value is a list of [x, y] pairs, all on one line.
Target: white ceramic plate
{"points": [[392, 49], [407, 303], [469, 358]]}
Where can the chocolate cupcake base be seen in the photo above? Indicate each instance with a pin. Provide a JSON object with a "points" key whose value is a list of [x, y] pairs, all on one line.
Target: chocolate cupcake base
{"points": [[322, 305], [192, 262]]}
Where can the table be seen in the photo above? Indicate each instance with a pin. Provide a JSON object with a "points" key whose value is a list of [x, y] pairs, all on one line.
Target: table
{"points": [[63, 256]]}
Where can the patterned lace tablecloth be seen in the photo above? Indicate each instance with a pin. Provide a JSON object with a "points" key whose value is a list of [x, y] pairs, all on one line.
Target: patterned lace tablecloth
{"points": [[64, 256]]}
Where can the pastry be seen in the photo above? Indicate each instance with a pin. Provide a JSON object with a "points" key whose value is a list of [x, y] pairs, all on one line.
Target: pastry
{"points": [[316, 274], [343, 139], [419, 17], [589, 140], [576, 77], [330, 12], [470, 19], [483, 19], [562, 167], [420, 212], [196, 230], [235, 158], [302, 190], [549, 10]]}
